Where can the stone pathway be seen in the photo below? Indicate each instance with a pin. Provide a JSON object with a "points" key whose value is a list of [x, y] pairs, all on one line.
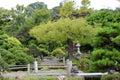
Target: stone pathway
{"points": [[49, 62]]}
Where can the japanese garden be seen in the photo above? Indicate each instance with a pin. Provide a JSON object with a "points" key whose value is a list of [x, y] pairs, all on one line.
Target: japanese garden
{"points": [[88, 38]]}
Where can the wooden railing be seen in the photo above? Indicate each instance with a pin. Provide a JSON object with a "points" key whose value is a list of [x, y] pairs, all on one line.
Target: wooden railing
{"points": [[20, 67], [67, 66], [29, 67], [17, 67]]}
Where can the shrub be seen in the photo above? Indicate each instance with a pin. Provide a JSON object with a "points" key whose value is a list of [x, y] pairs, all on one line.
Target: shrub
{"points": [[103, 60], [83, 63], [58, 53], [3, 78], [111, 77], [3, 64], [23, 58]]}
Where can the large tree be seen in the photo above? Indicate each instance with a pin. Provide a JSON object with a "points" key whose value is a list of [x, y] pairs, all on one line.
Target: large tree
{"points": [[18, 17], [106, 42], [65, 30]]}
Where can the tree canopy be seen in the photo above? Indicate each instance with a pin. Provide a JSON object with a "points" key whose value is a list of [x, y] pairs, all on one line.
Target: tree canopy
{"points": [[76, 30], [106, 42], [63, 30]]}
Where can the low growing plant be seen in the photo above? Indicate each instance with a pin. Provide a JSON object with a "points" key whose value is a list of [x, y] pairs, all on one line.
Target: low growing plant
{"points": [[111, 77]]}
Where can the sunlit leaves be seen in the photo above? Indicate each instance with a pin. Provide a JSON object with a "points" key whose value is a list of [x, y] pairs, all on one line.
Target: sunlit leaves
{"points": [[116, 40], [85, 3], [77, 30], [67, 9]]}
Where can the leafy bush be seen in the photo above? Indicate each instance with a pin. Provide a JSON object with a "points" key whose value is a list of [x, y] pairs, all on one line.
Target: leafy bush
{"points": [[75, 62], [22, 59], [58, 53], [116, 40], [3, 64], [111, 77], [44, 51], [104, 60], [3, 78], [83, 64], [12, 51]]}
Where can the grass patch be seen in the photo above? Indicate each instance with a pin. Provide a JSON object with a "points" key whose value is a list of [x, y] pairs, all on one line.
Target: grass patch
{"points": [[42, 78]]}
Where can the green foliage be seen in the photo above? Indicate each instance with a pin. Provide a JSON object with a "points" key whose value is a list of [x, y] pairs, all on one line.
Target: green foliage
{"points": [[4, 78], [18, 17], [116, 40], [67, 9], [22, 20], [106, 42], [77, 30], [3, 64], [85, 3], [23, 59], [37, 5], [4, 16], [41, 16], [104, 38], [49, 36], [104, 60], [45, 78], [44, 52], [104, 17], [84, 11], [19, 14], [5, 20], [111, 77], [64, 31], [83, 64], [58, 52], [12, 51], [55, 13]]}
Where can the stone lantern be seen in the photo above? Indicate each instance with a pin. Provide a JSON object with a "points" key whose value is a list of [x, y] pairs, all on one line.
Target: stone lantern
{"points": [[78, 48]]}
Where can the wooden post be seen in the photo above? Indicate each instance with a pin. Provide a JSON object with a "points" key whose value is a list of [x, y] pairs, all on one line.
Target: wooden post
{"points": [[69, 67], [63, 59], [35, 66], [28, 69]]}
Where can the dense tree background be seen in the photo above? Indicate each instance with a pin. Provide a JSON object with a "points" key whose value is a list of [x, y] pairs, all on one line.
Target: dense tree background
{"points": [[36, 31], [106, 42]]}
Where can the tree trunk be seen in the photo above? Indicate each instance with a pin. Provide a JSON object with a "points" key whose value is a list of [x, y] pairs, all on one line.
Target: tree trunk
{"points": [[70, 48]]}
